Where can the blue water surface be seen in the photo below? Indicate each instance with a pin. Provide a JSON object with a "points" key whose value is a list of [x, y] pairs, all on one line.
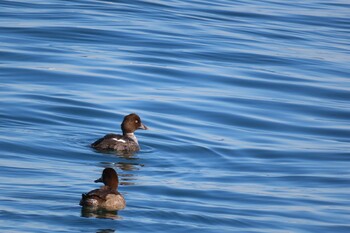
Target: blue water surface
{"points": [[247, 104]]}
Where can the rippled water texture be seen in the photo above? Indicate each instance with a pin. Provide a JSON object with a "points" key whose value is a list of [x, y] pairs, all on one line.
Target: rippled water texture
{"points": [[247, 104]]}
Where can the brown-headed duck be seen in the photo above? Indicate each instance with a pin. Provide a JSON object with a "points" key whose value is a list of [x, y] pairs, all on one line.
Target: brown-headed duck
{"points": [[107, 197], [122, 143]]}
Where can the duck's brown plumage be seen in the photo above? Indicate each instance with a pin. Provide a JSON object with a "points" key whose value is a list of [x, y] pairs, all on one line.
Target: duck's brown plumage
{"points": [[107, 197]]}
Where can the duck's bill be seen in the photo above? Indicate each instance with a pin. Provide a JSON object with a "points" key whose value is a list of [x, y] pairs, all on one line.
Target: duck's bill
{"points": [[143, 127], [98, 180]]}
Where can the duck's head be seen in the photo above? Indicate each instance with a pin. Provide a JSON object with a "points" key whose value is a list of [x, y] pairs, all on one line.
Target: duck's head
{"points": [[131, 123], [109, 178]]}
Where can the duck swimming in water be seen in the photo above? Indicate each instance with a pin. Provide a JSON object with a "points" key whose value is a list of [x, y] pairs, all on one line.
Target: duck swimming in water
{"points": [[107, 197], [122, 143]]}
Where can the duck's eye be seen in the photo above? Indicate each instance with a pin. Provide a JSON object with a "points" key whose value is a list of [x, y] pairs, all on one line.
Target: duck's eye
{"points": [[136, 121]]}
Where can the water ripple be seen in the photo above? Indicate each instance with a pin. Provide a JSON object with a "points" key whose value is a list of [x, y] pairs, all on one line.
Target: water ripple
{"points": [[247, 105]]}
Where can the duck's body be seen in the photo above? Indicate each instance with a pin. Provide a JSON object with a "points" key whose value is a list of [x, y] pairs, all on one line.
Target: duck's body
{"points": [[103, 198], [122, 143], [107, 197], [116, 142]]}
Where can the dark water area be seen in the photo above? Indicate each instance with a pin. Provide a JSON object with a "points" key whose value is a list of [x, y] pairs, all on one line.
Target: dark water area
{"points": [[247, 104]]}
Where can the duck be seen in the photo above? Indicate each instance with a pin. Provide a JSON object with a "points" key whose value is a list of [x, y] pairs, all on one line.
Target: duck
{"points": [[122, 143], [107, 197]]}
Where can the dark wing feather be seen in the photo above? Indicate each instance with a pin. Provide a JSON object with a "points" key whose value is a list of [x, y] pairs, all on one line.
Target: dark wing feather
{"points": [[106, 142], [97, 194]]}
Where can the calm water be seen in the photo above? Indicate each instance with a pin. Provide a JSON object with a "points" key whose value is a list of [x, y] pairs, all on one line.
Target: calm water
{"points": [[247, 104]]}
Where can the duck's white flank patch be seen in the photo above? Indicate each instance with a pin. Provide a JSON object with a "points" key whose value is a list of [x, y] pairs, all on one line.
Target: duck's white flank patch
{"points": [[119, 140]]}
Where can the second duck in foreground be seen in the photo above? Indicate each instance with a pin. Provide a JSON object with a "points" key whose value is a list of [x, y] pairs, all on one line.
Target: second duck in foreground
{"points": [[107, 197], [122, 143]]}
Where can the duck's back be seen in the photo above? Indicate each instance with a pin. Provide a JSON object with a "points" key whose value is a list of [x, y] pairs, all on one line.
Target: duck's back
{"points": [[104, 198], [115, 142]]}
